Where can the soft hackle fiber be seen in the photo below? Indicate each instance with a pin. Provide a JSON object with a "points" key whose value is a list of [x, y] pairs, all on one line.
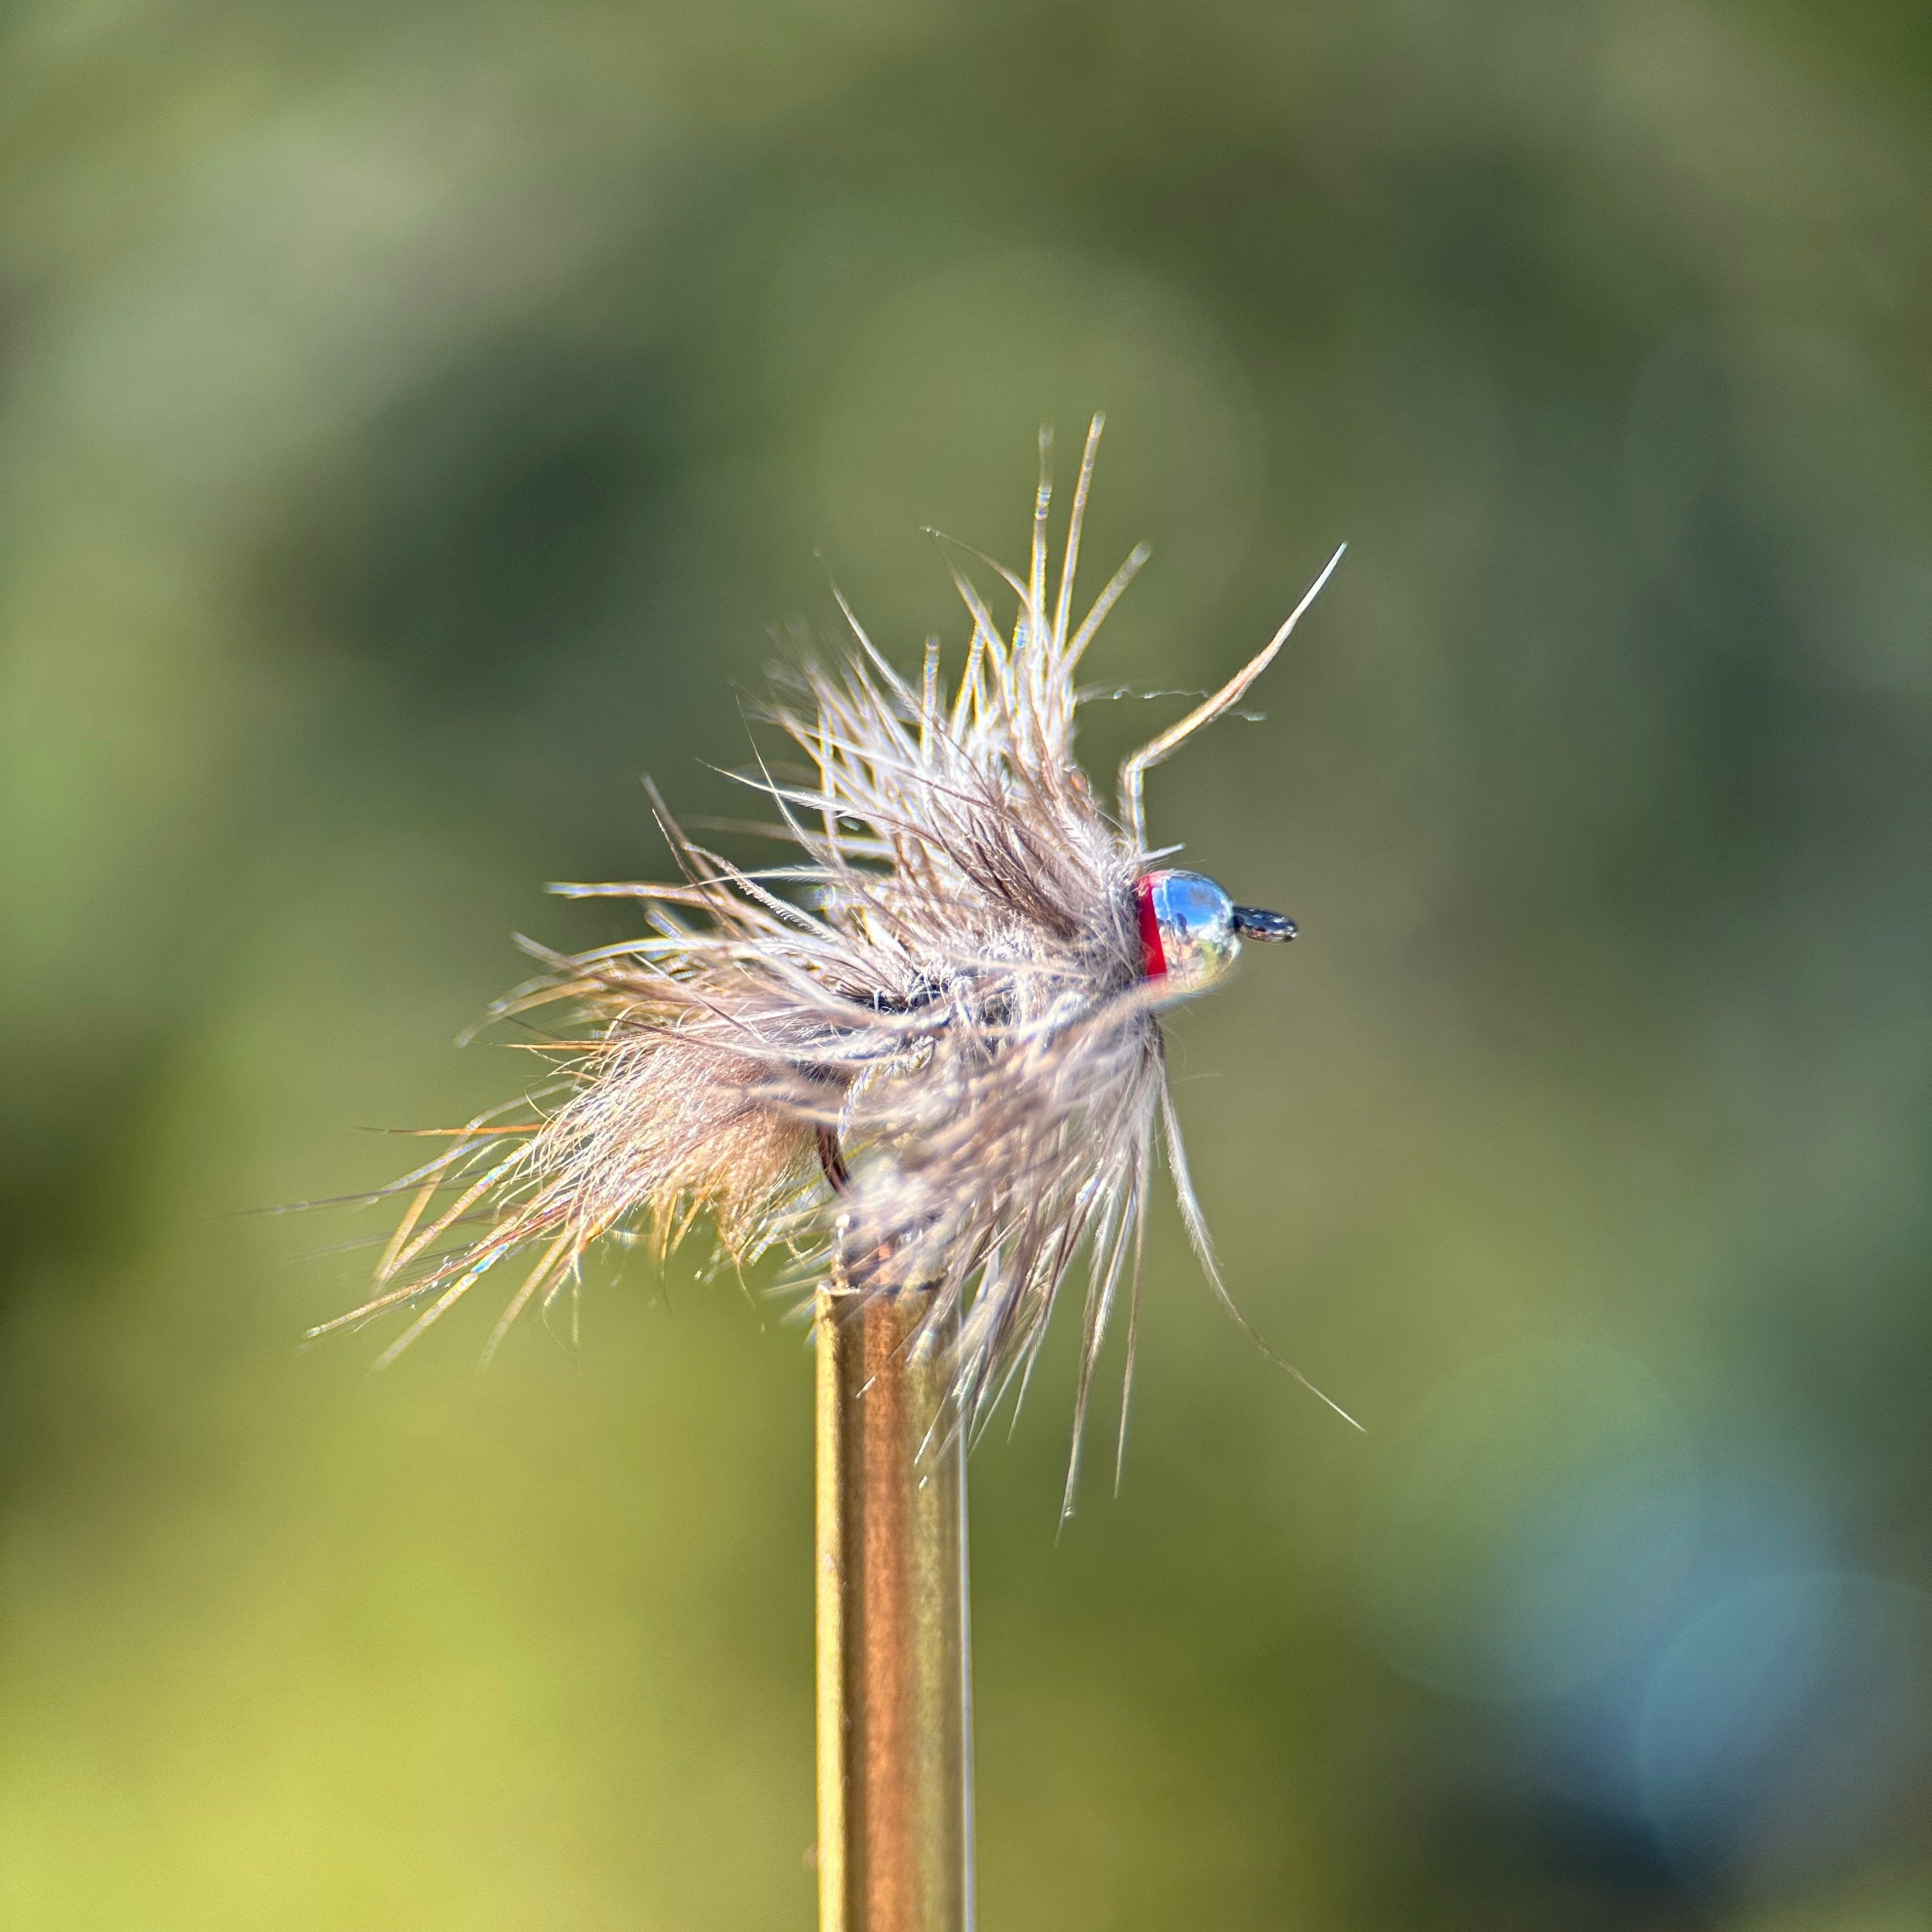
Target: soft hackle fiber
{"points": [[924, 1054]]}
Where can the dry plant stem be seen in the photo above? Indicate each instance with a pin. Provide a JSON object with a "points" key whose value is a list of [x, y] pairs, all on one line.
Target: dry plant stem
{"points": [[894, 1726]]}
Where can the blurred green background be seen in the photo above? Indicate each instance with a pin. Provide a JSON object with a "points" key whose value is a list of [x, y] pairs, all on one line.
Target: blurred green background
{"points": [[411, 420]]}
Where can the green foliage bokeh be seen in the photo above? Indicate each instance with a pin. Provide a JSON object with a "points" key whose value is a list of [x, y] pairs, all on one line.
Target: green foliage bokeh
{"points": [[413, 420]]}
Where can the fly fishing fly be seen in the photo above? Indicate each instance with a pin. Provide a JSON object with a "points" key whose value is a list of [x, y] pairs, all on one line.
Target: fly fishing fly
{"points": [[926, 1052]]}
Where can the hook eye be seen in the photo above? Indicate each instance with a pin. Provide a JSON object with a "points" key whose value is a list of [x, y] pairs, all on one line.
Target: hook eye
{"points": [[1251, 923]]}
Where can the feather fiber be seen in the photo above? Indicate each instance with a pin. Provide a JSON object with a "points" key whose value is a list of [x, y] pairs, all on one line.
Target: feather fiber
{"points": [[922, 1053]]}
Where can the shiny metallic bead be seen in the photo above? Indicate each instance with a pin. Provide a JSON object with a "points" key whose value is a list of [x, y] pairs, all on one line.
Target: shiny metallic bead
{"points": [[1187, 930]]}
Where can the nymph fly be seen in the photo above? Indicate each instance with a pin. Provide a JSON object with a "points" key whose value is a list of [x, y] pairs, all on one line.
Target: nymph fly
{"points": [[926, 1054]]}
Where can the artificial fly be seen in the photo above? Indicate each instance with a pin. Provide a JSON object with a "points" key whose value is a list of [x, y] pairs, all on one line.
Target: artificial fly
{"points": [[927, 1054]]}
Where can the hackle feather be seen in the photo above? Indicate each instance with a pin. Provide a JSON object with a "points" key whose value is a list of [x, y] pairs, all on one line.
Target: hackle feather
{"points": [[921, 1054]]}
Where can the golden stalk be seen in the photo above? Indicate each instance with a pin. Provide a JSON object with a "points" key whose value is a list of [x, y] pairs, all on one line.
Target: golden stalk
{"points": [[895, 1692]]}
